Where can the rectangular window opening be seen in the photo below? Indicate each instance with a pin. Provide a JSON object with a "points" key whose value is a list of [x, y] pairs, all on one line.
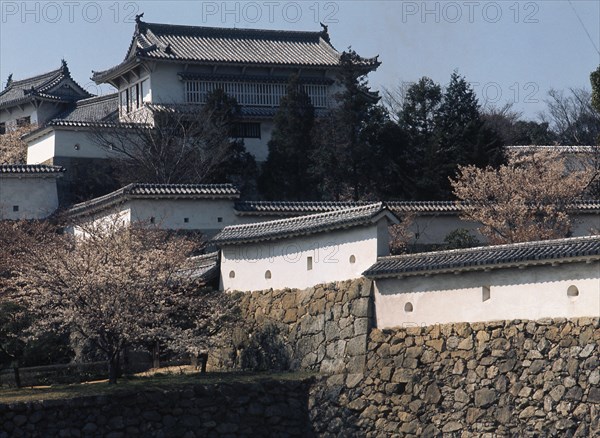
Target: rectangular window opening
{"points": [[246, 130], [152, 219], [24, 121], [486, 293], [219, 219], [309, 263], [186, 220], [15, 208]]}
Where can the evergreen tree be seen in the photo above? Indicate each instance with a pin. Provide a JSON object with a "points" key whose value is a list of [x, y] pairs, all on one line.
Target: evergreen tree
{"points": [[463, 137], [285, 174], [344, 161], [418, 119], [595, 80]]}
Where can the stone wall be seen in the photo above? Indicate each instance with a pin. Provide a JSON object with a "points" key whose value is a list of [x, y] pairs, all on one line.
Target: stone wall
{"points": [[513, 378], [323, 328], [507, 378], [264, 408]]}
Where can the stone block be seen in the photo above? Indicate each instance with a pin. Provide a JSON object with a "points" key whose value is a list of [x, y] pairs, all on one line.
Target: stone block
{"points": [[452, 426], [433, 394], [361, 326], [356, 364], [360, 308], [485, 397], [357, 346]]}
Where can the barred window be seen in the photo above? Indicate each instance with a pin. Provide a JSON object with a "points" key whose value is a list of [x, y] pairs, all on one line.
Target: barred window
{"points": [[252, 94], [246, 130]]}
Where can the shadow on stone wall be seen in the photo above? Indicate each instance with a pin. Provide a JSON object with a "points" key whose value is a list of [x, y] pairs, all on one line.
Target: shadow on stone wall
{"points": [[264, 408]]}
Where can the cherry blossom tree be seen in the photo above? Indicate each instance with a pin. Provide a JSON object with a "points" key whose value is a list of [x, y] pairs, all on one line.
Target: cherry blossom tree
{"points": [[120, 286], [527, 199], [13, 150]]}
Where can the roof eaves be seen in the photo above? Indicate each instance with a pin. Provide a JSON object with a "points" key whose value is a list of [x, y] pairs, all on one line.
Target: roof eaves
{"points": [[369, 273], [523, 254], [293, 227]]}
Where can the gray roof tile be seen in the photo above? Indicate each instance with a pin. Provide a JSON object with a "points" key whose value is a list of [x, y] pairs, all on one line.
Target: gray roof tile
{"points": [[171, 191], [40, 86], [205, 267], [483, 258], [20, 169], [286, 208], [169, 42], [302, 225], [89, 111]]}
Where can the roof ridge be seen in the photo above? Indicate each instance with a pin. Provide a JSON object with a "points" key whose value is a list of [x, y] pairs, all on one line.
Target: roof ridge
{"points": [[30, 168], [96, 99], [300, 218], [129, 190], [38, 76], [532, 244], [190, 27]]}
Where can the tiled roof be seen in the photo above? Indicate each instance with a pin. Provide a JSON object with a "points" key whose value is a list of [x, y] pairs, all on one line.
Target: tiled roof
{"points": [[287, 208], [154, 191], [21, 169], [86, 111], [169, 42], [559, 148], [424, 206], [490, 257], [303, 225], [205, 267], [40, 86]]}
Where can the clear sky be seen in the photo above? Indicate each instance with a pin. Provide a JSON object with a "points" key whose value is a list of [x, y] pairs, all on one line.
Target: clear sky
{"points": [[511, 51]]}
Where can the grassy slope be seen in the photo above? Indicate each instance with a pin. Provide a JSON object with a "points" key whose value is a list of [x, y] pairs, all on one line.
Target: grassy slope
{"points": [[137, 384]]}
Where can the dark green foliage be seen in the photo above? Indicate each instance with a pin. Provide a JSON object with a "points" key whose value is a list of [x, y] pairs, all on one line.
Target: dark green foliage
{"points": [[460, 238], [462, 135], [237, 165], [419, 118], [595, 80], [346, 157], [442, 131], [285, 174], [391, 153], [532, 133]]}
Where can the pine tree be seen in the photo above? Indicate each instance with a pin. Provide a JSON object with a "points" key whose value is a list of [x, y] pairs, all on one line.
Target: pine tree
{"points": [[345, 159], [418, 119], [463, 137], [285, 174]]}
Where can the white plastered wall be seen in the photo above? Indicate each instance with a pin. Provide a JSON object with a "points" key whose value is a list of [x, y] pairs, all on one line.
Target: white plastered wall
{"points": [[63, 143], [34, 196], [432, 229], [119, 215], [287, 260], [206, 215], [533, 292]]}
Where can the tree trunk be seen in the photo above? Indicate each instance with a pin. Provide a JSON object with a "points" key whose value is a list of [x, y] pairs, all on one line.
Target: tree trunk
{"points": [[156, 356], [203, 360], [113, 369], [17, 375]]}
